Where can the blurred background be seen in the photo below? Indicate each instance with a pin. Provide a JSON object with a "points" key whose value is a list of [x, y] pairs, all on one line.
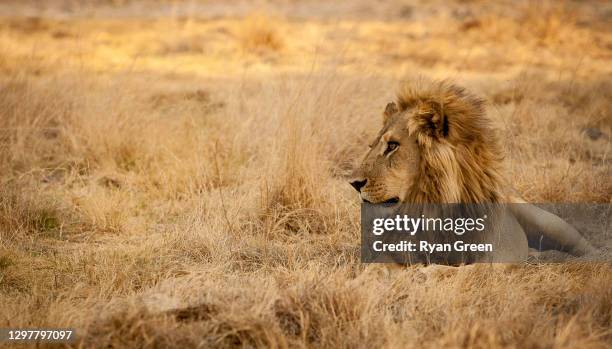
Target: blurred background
{"points": [[219, 38]]}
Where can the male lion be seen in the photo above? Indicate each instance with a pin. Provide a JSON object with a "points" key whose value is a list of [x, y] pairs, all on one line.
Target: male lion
{"points": [[437, 146]]}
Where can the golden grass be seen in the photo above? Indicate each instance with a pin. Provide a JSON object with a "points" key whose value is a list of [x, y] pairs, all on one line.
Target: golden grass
{"points": [[260, 33], [161, 188]]}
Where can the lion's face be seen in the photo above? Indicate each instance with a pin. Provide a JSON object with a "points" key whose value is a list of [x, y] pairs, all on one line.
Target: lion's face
{"points": [[438, 146], [390, 166]]}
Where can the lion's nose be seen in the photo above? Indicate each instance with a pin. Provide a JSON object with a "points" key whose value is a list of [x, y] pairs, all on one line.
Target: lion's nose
{"points": [[357, 184]]}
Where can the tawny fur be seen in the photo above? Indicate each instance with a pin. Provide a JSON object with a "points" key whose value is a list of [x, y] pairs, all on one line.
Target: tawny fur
{"points": [[461, 157]]}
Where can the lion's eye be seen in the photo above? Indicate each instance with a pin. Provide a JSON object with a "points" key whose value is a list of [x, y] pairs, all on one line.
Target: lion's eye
{"points": [[391, 146]]}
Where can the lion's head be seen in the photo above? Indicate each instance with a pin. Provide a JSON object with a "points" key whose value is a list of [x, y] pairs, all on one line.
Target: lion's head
{"points": [[436, 146]]}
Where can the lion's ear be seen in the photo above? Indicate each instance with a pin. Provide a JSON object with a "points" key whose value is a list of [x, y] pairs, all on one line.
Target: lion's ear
{"points": [[390, 110], [432, 120]]}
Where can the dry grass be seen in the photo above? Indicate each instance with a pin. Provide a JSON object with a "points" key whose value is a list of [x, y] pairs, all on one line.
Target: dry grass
{"points": [[161, 188], [260, 33]]}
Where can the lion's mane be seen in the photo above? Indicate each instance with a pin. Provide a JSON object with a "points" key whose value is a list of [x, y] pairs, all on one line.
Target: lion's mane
{"points": [[461, 157]]}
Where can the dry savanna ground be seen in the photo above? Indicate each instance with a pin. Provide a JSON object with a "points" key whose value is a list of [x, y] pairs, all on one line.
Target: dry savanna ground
{"points": [[171, 172]]}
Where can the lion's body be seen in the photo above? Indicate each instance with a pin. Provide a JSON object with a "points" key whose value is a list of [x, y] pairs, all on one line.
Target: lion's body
{"points": [[438, 146]]}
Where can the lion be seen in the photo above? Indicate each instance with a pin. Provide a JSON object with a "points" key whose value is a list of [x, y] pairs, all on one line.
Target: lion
{"points": [[438, 146]]}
